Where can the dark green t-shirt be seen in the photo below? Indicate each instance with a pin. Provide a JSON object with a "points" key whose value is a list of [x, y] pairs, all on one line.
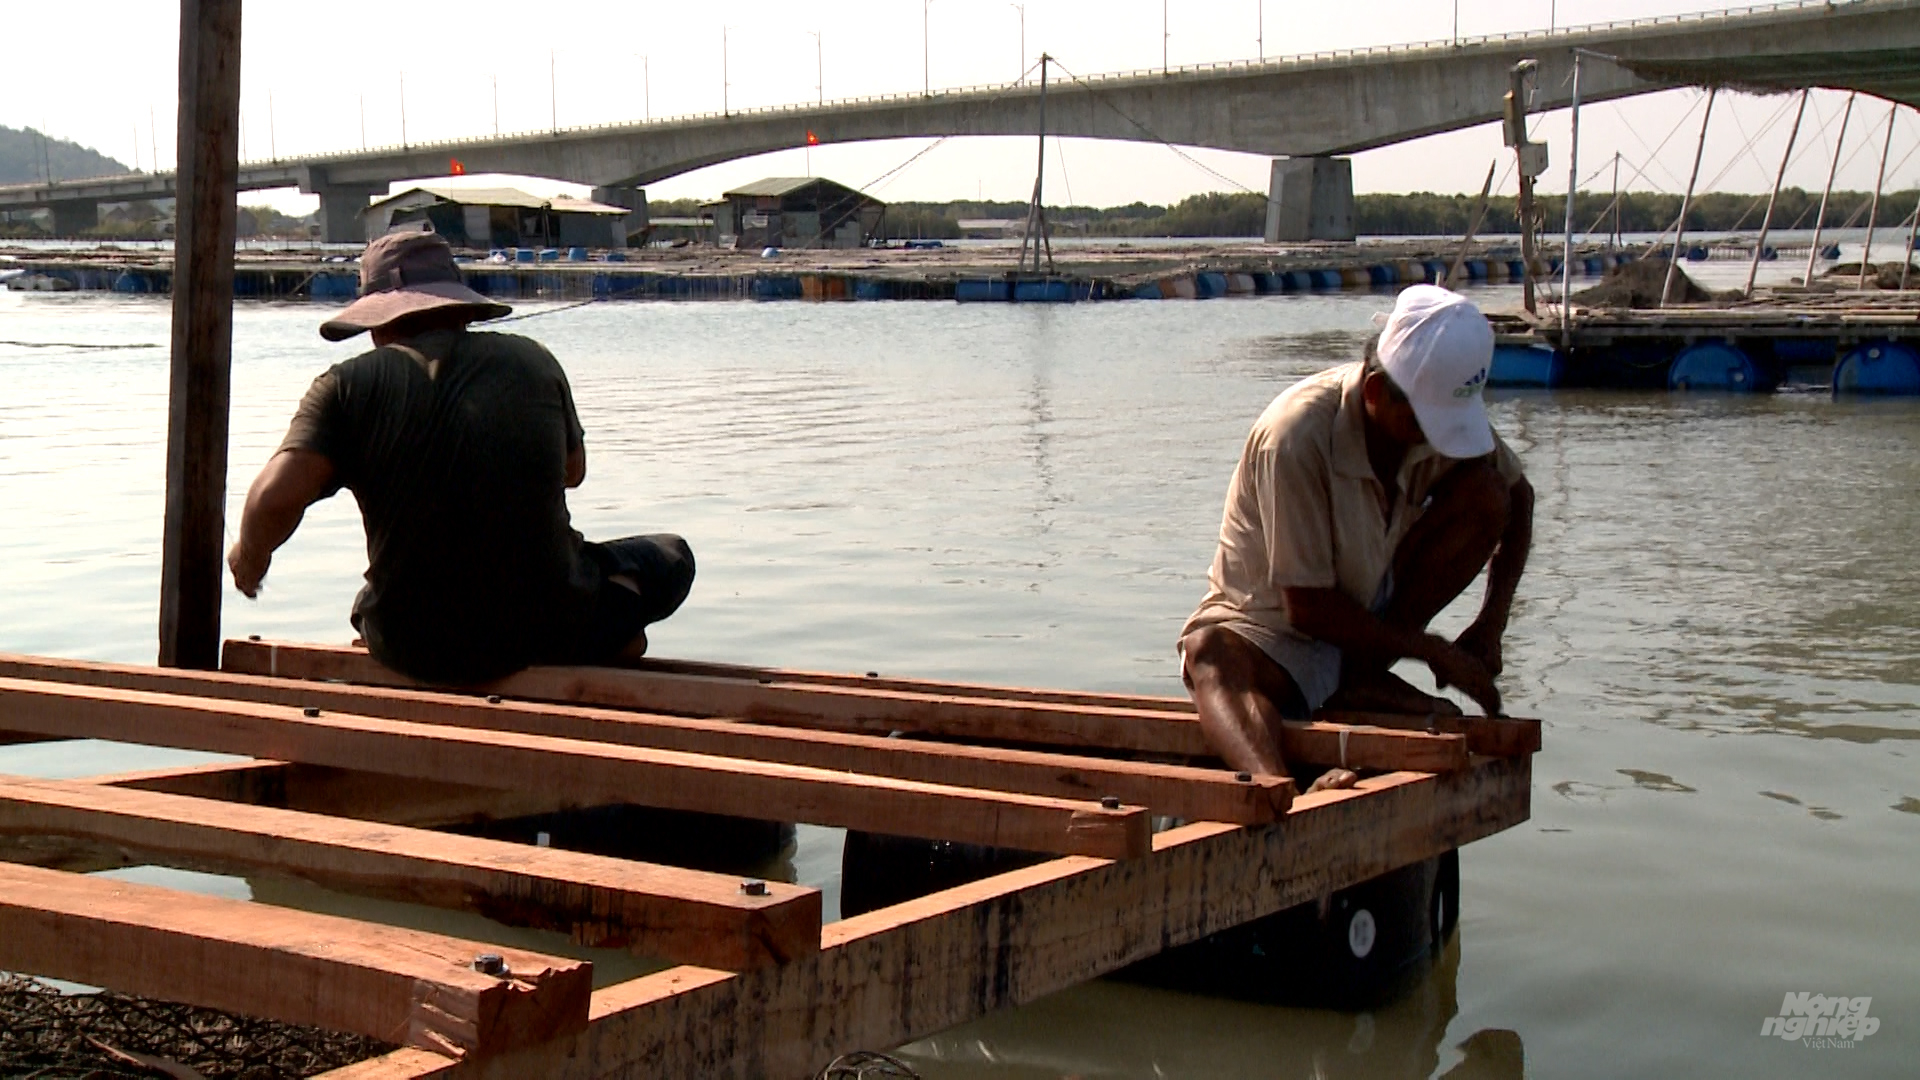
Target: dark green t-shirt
{"points": [[457, 457]]}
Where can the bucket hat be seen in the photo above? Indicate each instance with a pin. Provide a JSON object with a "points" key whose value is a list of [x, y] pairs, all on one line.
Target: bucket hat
{"points": [[405, 273]]}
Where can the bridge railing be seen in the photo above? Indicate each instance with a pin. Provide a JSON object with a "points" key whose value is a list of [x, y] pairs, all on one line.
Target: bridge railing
{"points": [[1300, 60]]}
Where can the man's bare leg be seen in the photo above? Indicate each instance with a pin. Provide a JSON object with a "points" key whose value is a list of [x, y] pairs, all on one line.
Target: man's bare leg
{"points": [[1436, 561], [1238, 691]]}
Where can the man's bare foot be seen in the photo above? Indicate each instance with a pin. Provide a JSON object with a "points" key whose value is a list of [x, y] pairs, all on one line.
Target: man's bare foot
{"points": [[1333, 780], [636, 649]]}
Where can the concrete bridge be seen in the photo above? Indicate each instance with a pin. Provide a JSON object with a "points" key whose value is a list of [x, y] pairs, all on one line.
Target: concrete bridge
{"points": [[1305, 111]]}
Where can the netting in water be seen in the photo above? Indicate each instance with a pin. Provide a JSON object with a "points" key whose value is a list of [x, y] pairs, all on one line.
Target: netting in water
{"points": [[51, 1035]]}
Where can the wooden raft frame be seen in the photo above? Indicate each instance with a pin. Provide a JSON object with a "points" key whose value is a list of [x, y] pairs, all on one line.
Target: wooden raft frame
{"points": [[756, 985]]}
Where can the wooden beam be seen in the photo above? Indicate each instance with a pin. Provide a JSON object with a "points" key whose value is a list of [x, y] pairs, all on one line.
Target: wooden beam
{"points": [[816, 705], [208, 167], [348, 793], [1196, 794], [402, 986], [593, 773], [903, 972], [685, 916], [1488, 736]]}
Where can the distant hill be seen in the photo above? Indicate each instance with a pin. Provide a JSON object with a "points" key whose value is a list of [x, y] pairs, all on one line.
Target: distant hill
{"points": [[22, 160]]}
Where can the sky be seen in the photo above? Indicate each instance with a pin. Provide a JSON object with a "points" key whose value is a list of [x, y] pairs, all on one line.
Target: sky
{"points": [[328, 77]]}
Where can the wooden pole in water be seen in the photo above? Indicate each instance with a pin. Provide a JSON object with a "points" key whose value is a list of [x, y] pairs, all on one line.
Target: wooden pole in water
{"points": [[1906, 266], [1820, 218], [207, 170], [1766, 223], [1686, 201], [1873, 209]]}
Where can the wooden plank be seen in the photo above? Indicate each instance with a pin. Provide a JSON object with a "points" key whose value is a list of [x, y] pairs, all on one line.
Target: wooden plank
{"points": [[1489, 736], [593, 773], [191, 567], [1150, 731], [903, 972], [681, 915], [349, 793], [1196, 794], [1206, 794], [403, 986]]}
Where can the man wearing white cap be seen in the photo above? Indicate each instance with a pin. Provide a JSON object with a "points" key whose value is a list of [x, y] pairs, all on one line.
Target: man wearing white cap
{"points": [[459, 448], [1367, 498]]}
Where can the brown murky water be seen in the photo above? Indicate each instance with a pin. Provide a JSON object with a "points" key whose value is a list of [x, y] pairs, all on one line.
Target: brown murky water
{"points": [[1720, 626]]}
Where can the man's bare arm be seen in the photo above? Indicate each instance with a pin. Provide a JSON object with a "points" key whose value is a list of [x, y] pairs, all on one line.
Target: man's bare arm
{"points": [[1482, 637], [1332, 616], [292, 481]]}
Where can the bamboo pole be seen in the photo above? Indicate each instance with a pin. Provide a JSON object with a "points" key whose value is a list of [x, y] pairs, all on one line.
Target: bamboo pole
{"points": [[1820, 219], [1686, 202], [1873, 208], [201, 382], [1766, 223], [1573, 182], [1479, 215]]}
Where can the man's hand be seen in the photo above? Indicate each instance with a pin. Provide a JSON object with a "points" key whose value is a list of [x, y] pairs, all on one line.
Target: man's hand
{"points": [[248, 568], [1484, 644], [1455, 666]]}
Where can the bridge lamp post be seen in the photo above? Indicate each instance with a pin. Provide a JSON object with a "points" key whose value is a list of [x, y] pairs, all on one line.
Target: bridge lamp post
{"points": [[819, 66], [926, 62], [1022, 9], [1165, 36], [1260, 26], [724, 109]]}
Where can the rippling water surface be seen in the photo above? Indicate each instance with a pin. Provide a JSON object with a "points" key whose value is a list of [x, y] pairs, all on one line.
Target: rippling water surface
{"points": [[1718, 626]]}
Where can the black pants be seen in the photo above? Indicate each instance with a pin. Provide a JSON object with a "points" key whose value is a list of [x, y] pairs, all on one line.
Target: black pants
{"points": [[661, 564]]}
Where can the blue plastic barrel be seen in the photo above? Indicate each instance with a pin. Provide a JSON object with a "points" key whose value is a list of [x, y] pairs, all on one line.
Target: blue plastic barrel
{"points": [[1044, 291], [1436, 268], [1476, 269], [976, 290], [576, 254], [1698, 253], [1878, 367], [1516, 270], [1767, 254], [1382, 274], [1524, 365], [1712, 365], [1208, 284], [526, 255], [1296, 280], [1325, 279], [1266, 282], [1591, 265]]}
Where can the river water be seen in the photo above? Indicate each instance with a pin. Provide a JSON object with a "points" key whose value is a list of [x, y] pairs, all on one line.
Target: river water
{"points": [[1718, 627]]}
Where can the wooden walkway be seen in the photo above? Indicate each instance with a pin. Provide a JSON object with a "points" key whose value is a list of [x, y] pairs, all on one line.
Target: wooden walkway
{"points": [[351, 769]]}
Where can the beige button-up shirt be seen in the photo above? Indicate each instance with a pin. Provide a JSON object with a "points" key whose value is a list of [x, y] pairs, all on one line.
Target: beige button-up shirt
{"points": [[1305, 510]]}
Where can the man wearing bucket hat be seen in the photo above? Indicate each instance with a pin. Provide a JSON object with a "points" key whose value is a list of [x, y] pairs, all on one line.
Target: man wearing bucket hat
{"points": [[1366, 499], [459, 447]]}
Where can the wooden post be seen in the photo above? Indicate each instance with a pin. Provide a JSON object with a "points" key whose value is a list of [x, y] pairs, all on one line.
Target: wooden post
{"points": [[1820, 219], [1766, 223], [1466, 242], [1686, 201], [1873, 211], [190, 560]]}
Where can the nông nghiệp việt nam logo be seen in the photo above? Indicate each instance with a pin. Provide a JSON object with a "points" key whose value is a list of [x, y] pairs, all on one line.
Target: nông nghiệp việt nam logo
{"points": [[1822, 1020]]}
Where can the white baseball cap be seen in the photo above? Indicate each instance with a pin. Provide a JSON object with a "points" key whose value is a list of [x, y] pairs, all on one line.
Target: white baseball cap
{"points": [[1437, 347]]}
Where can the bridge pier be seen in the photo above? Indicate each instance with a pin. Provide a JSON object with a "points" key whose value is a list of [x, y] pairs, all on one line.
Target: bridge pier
{"points": [[634, 199], [75, 216], [340, 206], [1310, 198]]}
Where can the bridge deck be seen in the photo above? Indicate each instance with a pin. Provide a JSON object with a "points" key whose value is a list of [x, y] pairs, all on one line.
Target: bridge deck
{"points": [[754, 984]]}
